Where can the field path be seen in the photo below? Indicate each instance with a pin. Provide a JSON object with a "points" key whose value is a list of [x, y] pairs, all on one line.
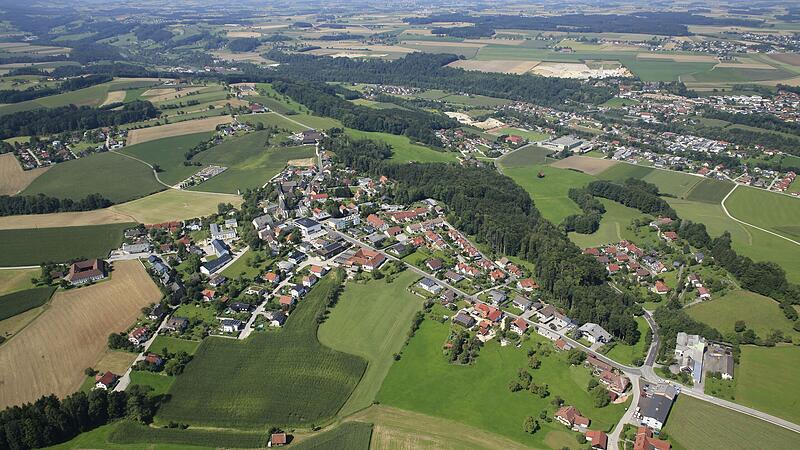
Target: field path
{"points": [[750, 224], [146, 164]]}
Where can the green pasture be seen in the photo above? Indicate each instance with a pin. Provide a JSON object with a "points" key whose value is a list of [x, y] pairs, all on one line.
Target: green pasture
{"points": [[761, 314], [768, 210], [403, 150], [168, 153]]}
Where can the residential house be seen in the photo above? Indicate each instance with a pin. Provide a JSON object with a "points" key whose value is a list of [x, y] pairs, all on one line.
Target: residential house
{"points": [[571, 417], [367, 259], [614, 382], [489, 312], [176, 324], [240, 307], [276, 318], [646, 441], [597, 365], [660, 288], [464, 319], [521, 303], [308, 227], [222, 233], [139, 336], [87, 271], [703, 293], [318, 271], [106, 381], [158, 312], [230, 325], [669, 236], [598, 439], [286, 301], [496, 297], [298, 291], [527, 284], [453, 277], [271, 277], [430, 286], [309, 280], [519, 326], [434, 264], [594, 333], [261, 222], [377, 223]]}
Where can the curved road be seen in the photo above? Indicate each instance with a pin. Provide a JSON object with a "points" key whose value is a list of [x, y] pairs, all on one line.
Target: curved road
{"points": [[722, 203]]}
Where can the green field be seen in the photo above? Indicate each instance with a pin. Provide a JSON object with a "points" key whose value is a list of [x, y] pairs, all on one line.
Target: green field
{"points": [[480, 101], [621, 172], [613, 226], [280, 378], [710, 191], [159, 383], [766, 379], [626, 354], [102, 173], [242, 267], [403, 150], [679, 184], [697, 425], [168, 154], [34, 246], [388, 309], [174, 345], [524, 157], [101, 438], [768, 210], [530, 135], [478, 395], [761, 314], [617, 102], [250, 162], [130, 433], [294, 123], [21, 301], [347, 436]]}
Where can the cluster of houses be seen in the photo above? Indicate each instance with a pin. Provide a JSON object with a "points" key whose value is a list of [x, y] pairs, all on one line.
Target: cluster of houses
{"points": [[640, 267]]}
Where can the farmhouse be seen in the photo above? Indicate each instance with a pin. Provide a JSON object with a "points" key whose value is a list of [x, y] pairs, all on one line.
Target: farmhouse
{"points": [[278, 439], [598, 439], [106, 381], [367, 259], [594, 333], [654, 404], [719, 359], [83, 272], [615, 383], [571, 417]]}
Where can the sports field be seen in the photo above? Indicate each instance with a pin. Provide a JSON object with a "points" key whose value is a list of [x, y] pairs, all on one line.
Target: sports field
{"points": [[613, 226], [168, 153], [33, 246], [50, 354], [388, 308], [478, 395], [403, 150], [97, 174], [766, 379], [12, 178], [697, 425], [761, 314], [774, 212], [277, 378], [21, 301], [250, 162], [208, 124]]}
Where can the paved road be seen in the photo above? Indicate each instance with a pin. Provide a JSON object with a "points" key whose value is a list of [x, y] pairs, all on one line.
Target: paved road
{"points": [[613, 437], [125, 379]]}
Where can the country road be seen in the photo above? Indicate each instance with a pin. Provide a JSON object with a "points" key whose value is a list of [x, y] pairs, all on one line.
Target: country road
{"points": [[722, 203]]}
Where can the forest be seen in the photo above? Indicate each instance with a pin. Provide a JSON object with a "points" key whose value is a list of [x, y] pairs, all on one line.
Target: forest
{"points": [[593, 211], [500, 214], [429, 71], [45, 121], [633, 195]]}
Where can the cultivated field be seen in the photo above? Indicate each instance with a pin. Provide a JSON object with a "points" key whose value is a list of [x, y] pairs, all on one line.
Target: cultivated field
{"points": [[176, 129], [114, 97], [165, 94], [697, 425], [16, 280], [21, 301], [174, 204], [709, 191], [67, 219], [34, 246], [388, 308], [12, 178], [308, 383], [585, 164], [347, 436], [498, 65], [49, 355]]}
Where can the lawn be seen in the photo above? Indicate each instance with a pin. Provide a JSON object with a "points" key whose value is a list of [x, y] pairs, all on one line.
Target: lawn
{"points": [[242, 267], [34, 246], [174, 345], [626, 354], [613, 226], [251, 162], [774, 212], [203, 312], [403, 150], [159, 383], [388, 309], [168, 154], [347, 436], [113, 176], [766, 379], [21, 301], [281, 378], [478, 395], [697, 425], [760, 313], [550, 192]]}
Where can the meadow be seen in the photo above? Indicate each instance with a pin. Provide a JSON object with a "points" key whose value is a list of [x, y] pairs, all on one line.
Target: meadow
{"points": [[173, 204], [281, 378], [168, 153], [21, 301], [526, 156], [388, 308], [127, 433], [97, 174], [48, 359], [251, 162], [478, 395], [697, 425], [761, 314], [766, 380], [174, 345], [709, 191], [403, 150], [768, 210], [613, 226], [33, 246], [158, 383], [181, 128], [627, 354]]}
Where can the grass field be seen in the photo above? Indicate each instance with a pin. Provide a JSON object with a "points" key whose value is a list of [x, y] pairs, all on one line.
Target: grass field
{"points": [[697, 425], [585, 164], [626, 354], [159, 383], [174, 345], [286, 377], [97, 174], [16, 280], [710, 191], [622, 171], [524, 157], [766, 379], [294, 123], [388, 308], [127, 433], [34, 246], [478, 395], [50, 354], [208, 124], [250, 162], [173, 204], [12, 178], [242, 266], [761, 314], [21, 301], [774, 212], [403, 150], [613, 226], [168, 153], [100, 438], [347, 436]]}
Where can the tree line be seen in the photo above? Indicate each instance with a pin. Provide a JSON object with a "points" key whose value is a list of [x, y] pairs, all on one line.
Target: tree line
{"points": [[16, 96], [593, 211], [501, 215], [42, 204], [634, 195], [322, 99], [71, 118], [757, 120], [49, 421]]}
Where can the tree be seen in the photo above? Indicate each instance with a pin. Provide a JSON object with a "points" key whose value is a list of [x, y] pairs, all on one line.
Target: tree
{"points": [[739, 326], [530, 425], [600, 397]]}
